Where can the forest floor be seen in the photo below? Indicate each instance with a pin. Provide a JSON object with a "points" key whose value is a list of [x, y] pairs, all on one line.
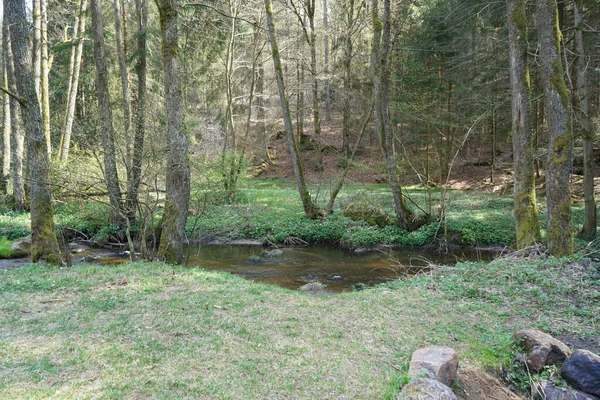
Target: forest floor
{"points": [[148, 330]]}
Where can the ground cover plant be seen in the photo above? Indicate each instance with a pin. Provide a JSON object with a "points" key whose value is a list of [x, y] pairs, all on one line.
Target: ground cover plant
{"points": [[153, 330], [270, 210]]}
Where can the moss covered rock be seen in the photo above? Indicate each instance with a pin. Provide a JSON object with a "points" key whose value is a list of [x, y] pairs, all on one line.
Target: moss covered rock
{"points": [[359, 210]]}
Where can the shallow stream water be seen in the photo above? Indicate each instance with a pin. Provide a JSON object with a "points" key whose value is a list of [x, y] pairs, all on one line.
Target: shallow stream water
{"points": [[340, 270]]}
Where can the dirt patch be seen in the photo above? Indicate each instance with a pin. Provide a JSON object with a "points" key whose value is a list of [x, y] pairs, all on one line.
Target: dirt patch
{"points": [[479, 385], [591, 343]]}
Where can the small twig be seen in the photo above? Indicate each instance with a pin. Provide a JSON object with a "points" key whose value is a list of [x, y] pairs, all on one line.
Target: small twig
{"points": [[21, 100]]}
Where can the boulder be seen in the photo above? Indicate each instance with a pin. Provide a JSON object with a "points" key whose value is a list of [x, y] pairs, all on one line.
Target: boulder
{"points": [[541, 349], [582, 371], [21, 247], [273, 253], [254, 260], [426, 389], [75, 248], [436, 362], [316, 288], [361, 211], [547, 391]]}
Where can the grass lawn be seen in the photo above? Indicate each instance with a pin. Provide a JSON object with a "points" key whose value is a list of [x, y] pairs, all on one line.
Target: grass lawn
{"points": [[142, 330]]}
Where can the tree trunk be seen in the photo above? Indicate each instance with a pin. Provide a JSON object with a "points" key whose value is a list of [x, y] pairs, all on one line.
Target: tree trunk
{"points": [[133, 183], [300, 103], [310, 209], [106, 121], [584, 125], [347, 62], [17, 137], [44, 245], [315, 85], [178, 172], [528, 231], [262, 152], [379, 68], [559, 231], [326, 59], [44, 93], [74, 68], [6, 150], [124, 73], [36, 45]]}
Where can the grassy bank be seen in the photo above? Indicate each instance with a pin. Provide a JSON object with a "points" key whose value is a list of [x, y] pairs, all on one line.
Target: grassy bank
{"points": [[151, 330], [271, 210]]}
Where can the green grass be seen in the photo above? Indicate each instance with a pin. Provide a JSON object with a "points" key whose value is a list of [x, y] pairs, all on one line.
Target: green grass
{"points": [[5, 250], [152, 330], [271, 210]]}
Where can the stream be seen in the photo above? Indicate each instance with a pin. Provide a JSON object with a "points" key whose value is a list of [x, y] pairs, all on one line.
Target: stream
{"points": [[340, 270]]}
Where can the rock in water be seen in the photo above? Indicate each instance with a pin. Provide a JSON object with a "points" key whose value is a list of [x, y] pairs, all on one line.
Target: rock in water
{"points": [[359, 210], [315, 288], [273, 253], [254, 260], [547, 391], [541, 348], [437, 362], [582, 371], [426, 389]]}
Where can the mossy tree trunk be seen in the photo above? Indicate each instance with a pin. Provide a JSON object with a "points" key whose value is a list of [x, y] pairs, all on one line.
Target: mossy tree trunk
{"points": [[73, 85], [528, 232], [106, 120], [559, 231], [17, 137], [44, 243], [5, 130], [584, 126], [133, 183], [381, 82], [178, 172], [310, 209]]}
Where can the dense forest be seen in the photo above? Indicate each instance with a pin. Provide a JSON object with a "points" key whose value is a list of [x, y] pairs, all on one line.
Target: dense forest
{"points": [[150, 107], [300, 199]]}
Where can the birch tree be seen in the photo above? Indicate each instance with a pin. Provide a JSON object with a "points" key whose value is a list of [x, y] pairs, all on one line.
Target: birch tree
{"points": [[73, 85]]}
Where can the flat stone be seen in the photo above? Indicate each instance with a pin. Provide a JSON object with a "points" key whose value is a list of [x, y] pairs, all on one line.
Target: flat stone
{"points": [[582, 371], [541, 349], [426, 389], [547, 391], [436, 362]]}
